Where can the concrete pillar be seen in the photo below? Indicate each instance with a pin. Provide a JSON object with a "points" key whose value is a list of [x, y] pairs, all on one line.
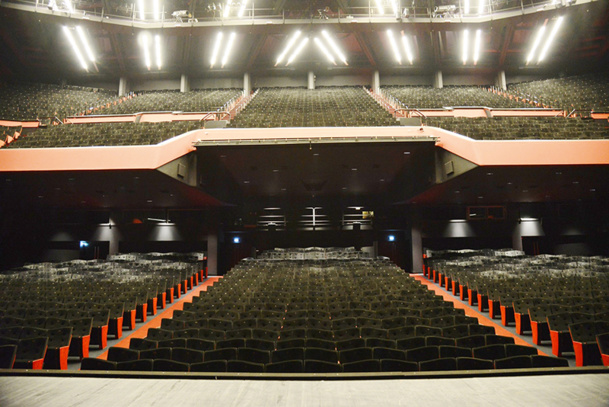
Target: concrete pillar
{"points": [[501, 82], [376, 82], [212, 254], [311, 81], [247, 84], [438, 81], [417, 249], [122, 86], [184, 84]]}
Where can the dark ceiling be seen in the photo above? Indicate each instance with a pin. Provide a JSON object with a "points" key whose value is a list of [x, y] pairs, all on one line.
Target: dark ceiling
{"points": [[33, 45]]}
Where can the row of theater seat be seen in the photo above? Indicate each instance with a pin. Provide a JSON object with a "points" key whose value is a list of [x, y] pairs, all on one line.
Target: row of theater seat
{"points": [[523, 128], [581, 92], [72, 306], [348, 311], [568, 307], [322, 107], [427, 97], [103, 134]]}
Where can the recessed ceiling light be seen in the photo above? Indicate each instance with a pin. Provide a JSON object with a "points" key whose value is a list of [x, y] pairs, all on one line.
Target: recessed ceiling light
{"points": [[489, 173], [382, 180], [406, 152], [457, 192], [149, 201], [576, 182], [593, 190], [246, 182], [353, 169], [284, 189], [275, 170], [316, 154], [480, 197], [344, 188]]}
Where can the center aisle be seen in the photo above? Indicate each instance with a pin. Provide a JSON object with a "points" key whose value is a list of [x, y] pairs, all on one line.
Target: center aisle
{"points": [[178, 305]]}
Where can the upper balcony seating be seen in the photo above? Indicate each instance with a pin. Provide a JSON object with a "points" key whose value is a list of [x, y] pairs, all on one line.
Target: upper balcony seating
{"points": [[322, 107], [427, 97], [585, 92]]}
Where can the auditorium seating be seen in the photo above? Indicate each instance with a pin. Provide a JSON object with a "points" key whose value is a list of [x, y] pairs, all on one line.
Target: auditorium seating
{"points": [[322, 107], [427, 97], [103, 134], [322, 316], [31, 101], [563, 299], [55, 311], [523, 128], [209, 100], [581, 92]]}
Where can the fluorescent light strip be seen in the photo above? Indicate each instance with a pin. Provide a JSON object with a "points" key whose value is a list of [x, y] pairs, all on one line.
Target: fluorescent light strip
{"points": [[214, 54], [334, 47], [68, 5], [379, 7], [297, 50], [407, 49], [466, 7], [465, 45], [480, 7], [477, 45], [156, 13], [75, 47], [325, 51], [394, 6], [288, 47], [227, 8], [394, 47], [85, 43], [157, 46], [550, 39], [146, 46], [140, 5], [231, 41], [536, 43], [242, 9]]}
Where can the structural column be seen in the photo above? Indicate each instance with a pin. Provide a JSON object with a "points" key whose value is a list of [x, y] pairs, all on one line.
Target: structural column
{"points": [[501, 82], [184, 84], [212, 254], [247, 84], [311, 81], [417, 249], [122, 86], [376, 82], [438, 81]]}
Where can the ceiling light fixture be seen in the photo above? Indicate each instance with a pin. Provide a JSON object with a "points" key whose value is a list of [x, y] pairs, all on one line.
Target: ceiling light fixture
{"points": [[227, 8], [394, 47], [379, 7], [231, 41], [407, 49], [466, 7], [550, 39], [72, 41], [297, 51], [465, 45], [157, 46], [477, 45], [288, 47], [242, 9], [334, 47], [145, 45], [156, 12], [480, 7], [85, 43], [323, 49], [394, 6], [216, 50], [140, 6], [536, 43]]}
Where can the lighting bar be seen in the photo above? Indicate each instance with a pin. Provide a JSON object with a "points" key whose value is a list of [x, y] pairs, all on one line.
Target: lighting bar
{"points": [[334, 47], [231, 41], [550, 39], [394, 47], [227, 8], [146, 51], [379, 7], [68, 5], [466, 7], [536, 43], [214, 54], [140, 6], [325, 51], [242, 9], [157, 46], [85, 43], [480, 7], [297, 50], [288, 47], [156, 12], [465, 45], [75, 47], [477, 45], [407, 49]]}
